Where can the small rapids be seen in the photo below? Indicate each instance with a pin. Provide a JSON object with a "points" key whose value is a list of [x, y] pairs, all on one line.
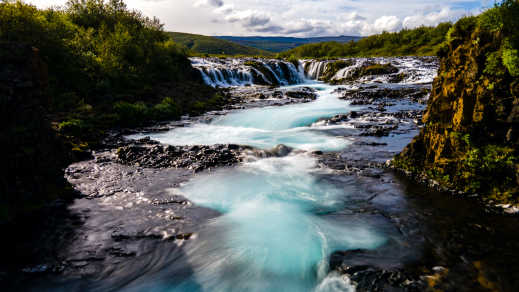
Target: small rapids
{"points": [[268, 127], [273, 234]]}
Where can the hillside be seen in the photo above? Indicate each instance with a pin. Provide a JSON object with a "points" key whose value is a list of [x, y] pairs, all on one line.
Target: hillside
{"points": [[470, 142], [280, 44], [200, 44], [422, 41]]}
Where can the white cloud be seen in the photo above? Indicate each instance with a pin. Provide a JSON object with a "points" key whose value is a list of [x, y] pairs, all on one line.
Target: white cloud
{"points": [[214, 3], [433, 18], [387, 23], [298, 17]]}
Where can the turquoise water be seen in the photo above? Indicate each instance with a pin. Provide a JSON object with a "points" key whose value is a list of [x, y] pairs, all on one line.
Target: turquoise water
{"points": [[275, 232], [267, 127]]}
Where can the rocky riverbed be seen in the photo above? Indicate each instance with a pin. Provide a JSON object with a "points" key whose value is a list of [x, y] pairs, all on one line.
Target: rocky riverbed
{"points": [[153, 212]]}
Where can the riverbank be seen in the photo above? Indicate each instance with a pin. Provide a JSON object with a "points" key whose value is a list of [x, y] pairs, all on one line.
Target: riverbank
{"points": [[164, 211]]}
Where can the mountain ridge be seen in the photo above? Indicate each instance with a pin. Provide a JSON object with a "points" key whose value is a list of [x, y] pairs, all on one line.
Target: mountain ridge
{"points": [[277, 44]]}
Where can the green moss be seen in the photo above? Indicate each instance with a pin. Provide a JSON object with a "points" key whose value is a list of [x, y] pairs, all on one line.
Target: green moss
{"points": [[333, 67], [493, 65], [264, 70], [511, 58], [72, 127]]}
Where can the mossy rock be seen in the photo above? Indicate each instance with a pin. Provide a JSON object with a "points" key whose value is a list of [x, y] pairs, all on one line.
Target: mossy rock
{"points": [[333, 67], [470, 142]]}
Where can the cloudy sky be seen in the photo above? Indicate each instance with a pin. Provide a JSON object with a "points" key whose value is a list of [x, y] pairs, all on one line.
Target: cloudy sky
{"points": [[298, 17]]}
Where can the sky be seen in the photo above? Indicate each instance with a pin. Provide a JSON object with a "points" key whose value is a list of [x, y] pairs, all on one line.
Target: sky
{"points": [[298, 18]]}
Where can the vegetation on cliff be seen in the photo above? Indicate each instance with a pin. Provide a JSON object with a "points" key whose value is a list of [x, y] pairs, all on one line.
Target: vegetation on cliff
{"points": [[422, 41], [103, 65], [470, 141], [200, 45], [106, 62]]}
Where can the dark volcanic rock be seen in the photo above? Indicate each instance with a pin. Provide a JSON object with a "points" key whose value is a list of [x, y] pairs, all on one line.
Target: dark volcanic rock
{"points": [[370, 95], [195, 157], [305, 93], [369, 278]]}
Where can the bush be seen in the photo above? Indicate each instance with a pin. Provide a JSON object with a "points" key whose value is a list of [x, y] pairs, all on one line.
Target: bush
{"points": [[96, 47], [166, 110], [130, 114], [72, 127], [511, 58]]}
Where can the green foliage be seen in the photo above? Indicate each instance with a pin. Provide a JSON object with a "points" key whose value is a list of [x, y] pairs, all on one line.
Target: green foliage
{"points": [[493, 64], [491, 20], [95, 47], [489, 169], [462, 29], [107, 65], [72, 127], [206, 45], [167, 109], [419, 41], [295, 61], [130, 114], [333, 68], [511, 58]]}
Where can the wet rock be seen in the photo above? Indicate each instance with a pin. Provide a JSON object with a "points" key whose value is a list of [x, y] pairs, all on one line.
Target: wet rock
{"points": [[196, 157], [369, 95], [370, 278]]}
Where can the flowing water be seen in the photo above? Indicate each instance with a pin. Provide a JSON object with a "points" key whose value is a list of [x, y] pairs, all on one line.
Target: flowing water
{"points": [[267, 224], [270, 126], [274, 234]]}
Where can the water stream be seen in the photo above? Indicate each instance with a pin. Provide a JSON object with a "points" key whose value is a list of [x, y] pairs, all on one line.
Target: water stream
{"points": [[286, 221], [274, 234]]}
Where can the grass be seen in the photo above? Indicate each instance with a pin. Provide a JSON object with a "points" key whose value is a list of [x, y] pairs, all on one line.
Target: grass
{"points": [[201, 45]]}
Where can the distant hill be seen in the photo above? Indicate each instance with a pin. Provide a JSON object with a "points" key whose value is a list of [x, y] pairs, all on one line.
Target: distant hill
{"points": [[280, 44], [210, 45], [420, 41]]}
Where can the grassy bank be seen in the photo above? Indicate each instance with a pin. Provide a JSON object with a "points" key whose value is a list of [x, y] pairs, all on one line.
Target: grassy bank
{"points": [[422, 41], [200, 45]]}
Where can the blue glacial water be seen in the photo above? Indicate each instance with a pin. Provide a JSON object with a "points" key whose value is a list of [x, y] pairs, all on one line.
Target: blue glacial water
{"points": [[274, 233], [269, 126]]}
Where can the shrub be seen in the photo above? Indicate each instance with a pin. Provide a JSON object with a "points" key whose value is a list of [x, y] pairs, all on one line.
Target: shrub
{"points": [[168, 109], [131, 113], [72, 127], [511, 58]]}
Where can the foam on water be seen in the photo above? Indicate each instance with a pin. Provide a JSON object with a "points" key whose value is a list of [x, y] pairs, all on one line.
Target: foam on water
{"points": [[272, 236], [267, 127]]}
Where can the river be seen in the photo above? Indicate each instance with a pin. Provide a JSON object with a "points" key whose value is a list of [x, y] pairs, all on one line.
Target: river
{"points": [[295, 220]]}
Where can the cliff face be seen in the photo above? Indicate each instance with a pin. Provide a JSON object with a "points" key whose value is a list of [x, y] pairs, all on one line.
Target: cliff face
{"points": [[33, 155], [470, 141]]}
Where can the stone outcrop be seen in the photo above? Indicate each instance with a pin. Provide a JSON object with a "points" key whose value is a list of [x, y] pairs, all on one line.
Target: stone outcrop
{"points": [[470, 142]]}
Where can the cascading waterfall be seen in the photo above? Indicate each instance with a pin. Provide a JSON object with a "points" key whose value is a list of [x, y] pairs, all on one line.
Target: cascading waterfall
{"points": [[314, 69], [247, 71], [416, 70], [250, 71]]}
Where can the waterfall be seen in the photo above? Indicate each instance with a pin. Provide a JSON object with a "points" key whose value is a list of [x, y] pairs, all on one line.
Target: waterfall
{"points": [[227, 72], [218, 72], [314, 68], [412, 70]]}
